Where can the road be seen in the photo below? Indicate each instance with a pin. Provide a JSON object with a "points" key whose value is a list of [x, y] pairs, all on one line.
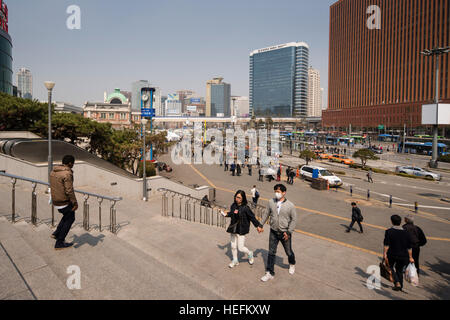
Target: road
{"points": [[325, 214]]}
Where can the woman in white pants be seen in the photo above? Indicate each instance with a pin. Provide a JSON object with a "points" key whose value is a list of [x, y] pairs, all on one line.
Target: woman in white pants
{"points": [[240, 215]]}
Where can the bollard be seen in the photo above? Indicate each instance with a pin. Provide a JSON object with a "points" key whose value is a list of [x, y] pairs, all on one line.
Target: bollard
{"points": [[351, 191], [416, 207], [368, 194], [390, 201]]}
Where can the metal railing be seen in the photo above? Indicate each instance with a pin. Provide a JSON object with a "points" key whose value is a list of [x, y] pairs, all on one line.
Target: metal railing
{"points": [[86, 196], [186, 207]]}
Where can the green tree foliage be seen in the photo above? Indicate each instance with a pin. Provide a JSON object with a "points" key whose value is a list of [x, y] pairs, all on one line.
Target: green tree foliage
{"points": [[364, 155], [307, 155], [17, 114], [120, 147]]}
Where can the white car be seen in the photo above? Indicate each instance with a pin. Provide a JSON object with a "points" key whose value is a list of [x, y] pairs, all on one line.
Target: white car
{"points": [[307, 173]]}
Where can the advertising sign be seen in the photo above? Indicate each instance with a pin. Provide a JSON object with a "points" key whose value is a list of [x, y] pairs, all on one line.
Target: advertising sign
{"points": [[429, 114]]}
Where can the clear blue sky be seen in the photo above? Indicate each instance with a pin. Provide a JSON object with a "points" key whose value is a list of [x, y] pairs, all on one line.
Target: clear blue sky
{"points": [[175, 44]]}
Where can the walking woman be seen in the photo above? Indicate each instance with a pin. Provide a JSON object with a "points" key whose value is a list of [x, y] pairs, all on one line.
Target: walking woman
{"points": [[241, 216]]}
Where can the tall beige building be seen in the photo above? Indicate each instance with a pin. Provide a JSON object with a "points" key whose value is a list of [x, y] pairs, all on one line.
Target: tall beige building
{"points": [[218, 97], [314, 93]]}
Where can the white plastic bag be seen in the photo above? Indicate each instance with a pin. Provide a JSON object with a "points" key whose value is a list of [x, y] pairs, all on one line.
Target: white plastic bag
{"points": [[411, 275]]}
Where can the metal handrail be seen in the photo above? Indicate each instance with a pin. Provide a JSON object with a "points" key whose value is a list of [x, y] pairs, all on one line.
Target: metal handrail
{"points": [[47, 184], [85, 194]]}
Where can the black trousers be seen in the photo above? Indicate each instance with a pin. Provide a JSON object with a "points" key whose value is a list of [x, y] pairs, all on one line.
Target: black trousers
{"points": [[65, 224], [397, 265], [415, 255], [353, 222], [274, 238]]}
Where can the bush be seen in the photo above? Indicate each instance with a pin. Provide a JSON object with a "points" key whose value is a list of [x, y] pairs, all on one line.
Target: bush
{"points": [[149, 169], [355, 166], [445, 158], [342, 173]]}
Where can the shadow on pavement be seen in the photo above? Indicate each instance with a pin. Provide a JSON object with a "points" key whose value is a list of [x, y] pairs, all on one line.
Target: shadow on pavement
{"points": [[87, 239], [440, 290], [264, 253], [385, 289]]}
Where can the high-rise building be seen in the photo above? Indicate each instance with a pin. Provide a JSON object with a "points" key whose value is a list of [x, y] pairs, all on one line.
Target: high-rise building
{"points": [[279, 80], [6, 72], [183, 95], [240, 106], [314, 93], [377, 76], [136, 97], [173, 106], [25, 83], [218, 96]]}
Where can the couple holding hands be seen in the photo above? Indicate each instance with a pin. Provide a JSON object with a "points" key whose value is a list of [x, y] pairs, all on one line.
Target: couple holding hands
{"points": [[283, 219]]}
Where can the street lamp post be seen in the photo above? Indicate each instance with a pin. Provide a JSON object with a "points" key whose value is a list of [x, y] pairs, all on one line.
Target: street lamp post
{"points": [[49, 85], [436, 52], [144, 154]]}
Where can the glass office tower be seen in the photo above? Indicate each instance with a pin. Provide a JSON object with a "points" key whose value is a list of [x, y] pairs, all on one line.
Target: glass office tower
{"points": [[6, 60], [279, 81]]}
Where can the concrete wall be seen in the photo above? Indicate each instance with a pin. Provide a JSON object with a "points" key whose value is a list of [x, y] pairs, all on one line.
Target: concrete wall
{"points": [[86, 174]]}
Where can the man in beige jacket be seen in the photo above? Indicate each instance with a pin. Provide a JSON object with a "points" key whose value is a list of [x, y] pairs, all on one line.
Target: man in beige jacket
{"points": [[63, 199]]}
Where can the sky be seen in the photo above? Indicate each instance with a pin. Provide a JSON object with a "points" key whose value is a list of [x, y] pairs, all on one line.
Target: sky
{"points": [[175, 44]]}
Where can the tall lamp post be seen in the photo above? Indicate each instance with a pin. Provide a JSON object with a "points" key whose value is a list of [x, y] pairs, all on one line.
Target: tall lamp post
{"points": [[436, 52], [49, 85], [144, 155]]}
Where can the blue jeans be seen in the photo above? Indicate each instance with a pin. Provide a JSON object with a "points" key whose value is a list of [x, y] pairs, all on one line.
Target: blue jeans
{"points": [[274, 238]]}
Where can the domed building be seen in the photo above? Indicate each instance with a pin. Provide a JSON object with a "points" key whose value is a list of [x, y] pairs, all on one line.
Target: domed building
{"points": [[115, 109]]}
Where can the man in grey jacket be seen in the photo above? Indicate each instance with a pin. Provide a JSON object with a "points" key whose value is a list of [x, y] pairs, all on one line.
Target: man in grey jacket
{"points": [[283, 219]]}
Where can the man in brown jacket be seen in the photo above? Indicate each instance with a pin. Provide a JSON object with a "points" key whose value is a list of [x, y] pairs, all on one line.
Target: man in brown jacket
{"points": [[63, 199]]}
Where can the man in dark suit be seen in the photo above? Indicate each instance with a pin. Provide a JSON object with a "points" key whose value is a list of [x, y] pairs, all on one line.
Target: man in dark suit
{"points": [[356, 217]]}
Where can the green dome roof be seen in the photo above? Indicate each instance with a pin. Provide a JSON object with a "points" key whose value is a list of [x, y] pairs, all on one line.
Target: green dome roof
{"points": [[115, 97]]}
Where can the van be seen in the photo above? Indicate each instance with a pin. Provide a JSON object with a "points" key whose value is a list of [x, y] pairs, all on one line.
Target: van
{"points": [[306, 172]]}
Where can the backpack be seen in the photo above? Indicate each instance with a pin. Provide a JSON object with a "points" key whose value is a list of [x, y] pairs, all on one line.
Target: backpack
{"points": [[256, 194], [421, 236]]}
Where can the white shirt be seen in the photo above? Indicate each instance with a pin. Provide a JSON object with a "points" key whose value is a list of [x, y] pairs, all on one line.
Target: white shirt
{"points": [[253, 191], [279, 203]]}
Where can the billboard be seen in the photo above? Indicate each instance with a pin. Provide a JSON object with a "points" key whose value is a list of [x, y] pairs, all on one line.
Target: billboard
{"points": [[429, 114], [191, 108], [195, 100]]}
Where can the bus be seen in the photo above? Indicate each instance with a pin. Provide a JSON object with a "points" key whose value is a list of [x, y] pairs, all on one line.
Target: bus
{"points": [[425, 148], [388, 138]]}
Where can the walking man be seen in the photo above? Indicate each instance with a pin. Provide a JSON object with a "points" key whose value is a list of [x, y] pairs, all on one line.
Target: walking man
{"points": [[238, 169], [417, 236], [261, 177], [233, 168], [369, 176], [291, 176], [283, 219], [226, 165], [356, 217], [249, 166], [397, 250], [63, 199], [255, 196]]}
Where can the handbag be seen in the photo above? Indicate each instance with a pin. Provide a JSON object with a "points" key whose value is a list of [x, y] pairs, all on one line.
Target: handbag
{"points": [[385, 271], [233, 228]]}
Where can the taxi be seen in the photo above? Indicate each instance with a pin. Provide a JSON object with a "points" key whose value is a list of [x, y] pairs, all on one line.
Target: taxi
{"points": [[341, 159]]}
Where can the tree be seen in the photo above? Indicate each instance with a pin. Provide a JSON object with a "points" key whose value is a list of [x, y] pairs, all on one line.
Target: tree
{"points": [[307, 155], [364, 155], [269, 123]]}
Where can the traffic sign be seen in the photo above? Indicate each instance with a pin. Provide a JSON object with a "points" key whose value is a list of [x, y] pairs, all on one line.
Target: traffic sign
{"points": [[147, 112]]}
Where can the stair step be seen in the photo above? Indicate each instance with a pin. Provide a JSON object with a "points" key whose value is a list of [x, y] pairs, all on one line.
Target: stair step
{"points": [[40, 278]]}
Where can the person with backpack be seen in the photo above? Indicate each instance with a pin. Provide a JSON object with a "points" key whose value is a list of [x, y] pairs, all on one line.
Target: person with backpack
{"points": [[417, 236], [241, 216], [255, 196], [356, 217]]}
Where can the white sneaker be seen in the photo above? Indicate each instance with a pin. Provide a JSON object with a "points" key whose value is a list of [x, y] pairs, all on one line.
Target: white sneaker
{"points": [[267, 277], [250, 258], [233, 264], [291, 269]]}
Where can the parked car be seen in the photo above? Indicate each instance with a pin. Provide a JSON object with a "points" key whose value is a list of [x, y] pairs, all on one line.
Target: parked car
{"points": [[306, 172], [376, 149], [341, 159], [324, 156], [418, 172]]}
